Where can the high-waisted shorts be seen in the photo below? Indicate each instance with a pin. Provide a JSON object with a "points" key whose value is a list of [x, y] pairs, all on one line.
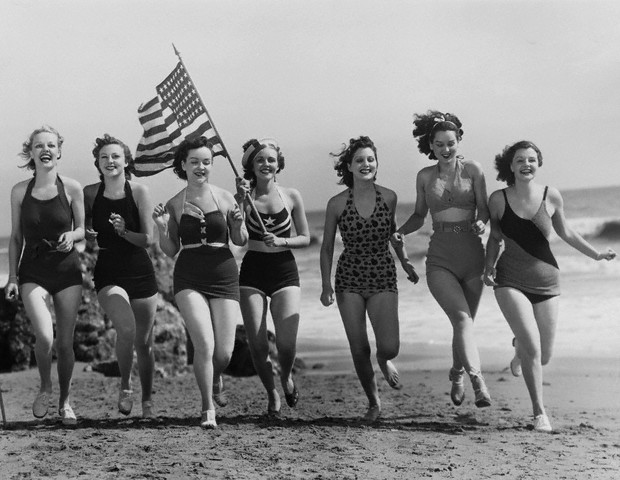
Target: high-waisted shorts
{"points": [[52, 270], [460, 253], [207, 270], [132, 271], [268, 272]]}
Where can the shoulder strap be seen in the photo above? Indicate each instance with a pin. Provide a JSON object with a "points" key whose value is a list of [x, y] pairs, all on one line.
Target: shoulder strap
{"points": [[63, 196], [284, 202], [29, 188], [545, 194]]}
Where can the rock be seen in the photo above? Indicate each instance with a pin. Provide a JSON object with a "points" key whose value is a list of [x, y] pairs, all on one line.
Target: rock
{"points": [[241, 364], [16, 336]]}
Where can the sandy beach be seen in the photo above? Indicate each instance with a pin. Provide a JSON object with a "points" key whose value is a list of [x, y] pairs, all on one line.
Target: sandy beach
{"points": [[420, 434]]}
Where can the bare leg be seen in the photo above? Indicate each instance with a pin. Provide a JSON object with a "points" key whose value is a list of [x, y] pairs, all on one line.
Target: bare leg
{"points": [[33, 297], [116, 304], [450, 295], [353, 312], [533, 327], [195, 311], [66, 304], [144, 312], [383, 314], [254, 310], [285, 314], [225, 315]]}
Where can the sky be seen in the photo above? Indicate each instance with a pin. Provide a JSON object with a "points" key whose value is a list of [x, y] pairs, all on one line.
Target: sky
{"points": [[314, 74]]}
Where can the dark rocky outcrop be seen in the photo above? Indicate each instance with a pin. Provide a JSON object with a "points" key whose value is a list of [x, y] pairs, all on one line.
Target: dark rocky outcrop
{"points": [[95, 336]]}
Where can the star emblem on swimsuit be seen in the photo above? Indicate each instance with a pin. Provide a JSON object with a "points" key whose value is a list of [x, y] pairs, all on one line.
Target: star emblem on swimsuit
{"points": [[270, 222]]}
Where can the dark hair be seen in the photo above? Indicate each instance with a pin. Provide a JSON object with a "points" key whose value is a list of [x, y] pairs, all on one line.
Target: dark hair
{"points": [[27, 145], [504, 159], [109, 140], [426, 125], [248, 168], [181, 152], [346, 156]]}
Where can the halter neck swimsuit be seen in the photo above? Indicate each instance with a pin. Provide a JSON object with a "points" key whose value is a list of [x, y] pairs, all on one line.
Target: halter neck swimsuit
{"points": [[366, 265], [269, 272], [205, 263], [42, 223], [119, 261]]}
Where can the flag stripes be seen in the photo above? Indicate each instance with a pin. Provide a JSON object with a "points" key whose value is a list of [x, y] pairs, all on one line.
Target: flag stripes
{"points": [[176, 113]]}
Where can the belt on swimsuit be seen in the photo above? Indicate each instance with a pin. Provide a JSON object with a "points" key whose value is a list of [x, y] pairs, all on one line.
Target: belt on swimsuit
{"points": [[198, 245], [454, 227]]}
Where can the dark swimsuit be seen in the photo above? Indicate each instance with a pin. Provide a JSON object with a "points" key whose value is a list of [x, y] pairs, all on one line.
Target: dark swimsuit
{"points": [[42, 223], [205, 263], [121, 262], [366, 265], [267, 272], [527, 263]]}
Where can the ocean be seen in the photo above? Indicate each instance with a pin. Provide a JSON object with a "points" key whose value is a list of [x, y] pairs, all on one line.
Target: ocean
{"points": [[589, 305]]}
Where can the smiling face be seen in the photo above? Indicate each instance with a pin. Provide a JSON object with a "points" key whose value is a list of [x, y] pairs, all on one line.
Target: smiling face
{"points": [[45, 150], [111, 160], [198, 164], [525, 164], [363, 165], [445, 145], [265, 163]]}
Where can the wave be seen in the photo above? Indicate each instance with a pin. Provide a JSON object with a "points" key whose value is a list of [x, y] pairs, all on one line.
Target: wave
{"points": [[607, 228]]}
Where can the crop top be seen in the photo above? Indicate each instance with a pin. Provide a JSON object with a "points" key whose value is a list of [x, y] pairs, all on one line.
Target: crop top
{"points": [[441, 196], [277, 223], [198, 228]]}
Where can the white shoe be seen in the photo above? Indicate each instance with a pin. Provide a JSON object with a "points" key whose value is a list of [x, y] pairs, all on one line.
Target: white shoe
{"points": [[125, 401], [41, 404], [207, 420], [67, 416], [147, 409], [542, 424]]}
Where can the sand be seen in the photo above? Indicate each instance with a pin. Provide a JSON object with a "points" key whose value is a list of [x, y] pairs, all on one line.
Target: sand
{"points": [[420, 434]]}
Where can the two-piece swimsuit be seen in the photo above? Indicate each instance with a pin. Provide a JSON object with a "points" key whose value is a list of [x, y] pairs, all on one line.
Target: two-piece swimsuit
{"points": [[527, 263], [366, 266], [454, 246], [42, 223], [269, 272], [120, 262], [205, 263]]}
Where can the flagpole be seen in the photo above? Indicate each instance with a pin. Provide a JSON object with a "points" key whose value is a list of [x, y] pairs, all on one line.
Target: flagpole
{"points": [[232, 165]]}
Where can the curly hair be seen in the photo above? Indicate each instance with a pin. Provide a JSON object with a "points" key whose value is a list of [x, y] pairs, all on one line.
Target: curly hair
{"points": [[110, 140], [27, 145], [248, 166], [504, 159], [345, 157], [426, 125], [181, 152]]}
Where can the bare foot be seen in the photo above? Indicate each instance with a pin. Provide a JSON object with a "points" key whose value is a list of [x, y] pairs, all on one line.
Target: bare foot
{"points": [[372, 414], [390, 373]]}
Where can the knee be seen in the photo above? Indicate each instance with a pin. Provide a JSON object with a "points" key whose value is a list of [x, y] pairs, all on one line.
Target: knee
{"points": [[360, 351], [531, 352], [545, 357], [388, 351], [64, 347], [460, 321], [287, 349]]}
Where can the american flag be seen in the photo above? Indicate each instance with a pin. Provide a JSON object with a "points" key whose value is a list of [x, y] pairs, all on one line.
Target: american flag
{"points": [[176, 113]]}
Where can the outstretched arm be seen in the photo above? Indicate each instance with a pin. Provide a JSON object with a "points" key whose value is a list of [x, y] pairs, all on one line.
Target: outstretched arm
{"points": [[569, 235]]}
